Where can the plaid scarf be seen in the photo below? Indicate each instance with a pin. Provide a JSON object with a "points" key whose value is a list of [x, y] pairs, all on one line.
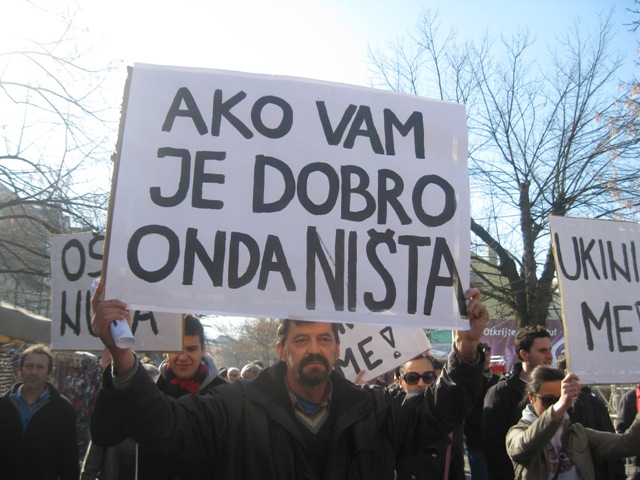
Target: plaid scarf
{"points": [[174, 385]]}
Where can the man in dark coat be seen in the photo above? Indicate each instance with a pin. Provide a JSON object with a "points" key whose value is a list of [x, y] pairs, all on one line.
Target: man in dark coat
{"points": [[38, 437], [188, 372], [298, 419]]}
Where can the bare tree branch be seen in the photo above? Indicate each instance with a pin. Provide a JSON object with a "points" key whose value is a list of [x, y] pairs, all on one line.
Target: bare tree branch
{"points": [[560, 140], [57, 128]]}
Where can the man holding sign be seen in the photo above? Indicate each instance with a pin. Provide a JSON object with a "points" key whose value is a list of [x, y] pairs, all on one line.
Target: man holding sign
{"points": [[299, 418], [191, 371]]}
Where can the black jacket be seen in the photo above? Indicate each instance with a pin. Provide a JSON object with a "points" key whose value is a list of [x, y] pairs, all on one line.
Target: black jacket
{"points": [[47, 449], [155, 464], [502, 409], [249, 430], [429, 462], [473, 422]]}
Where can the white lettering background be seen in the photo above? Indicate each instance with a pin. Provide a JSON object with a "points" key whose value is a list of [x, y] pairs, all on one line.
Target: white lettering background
{"points": [[256, 104], [76, 260], [601, 314]]}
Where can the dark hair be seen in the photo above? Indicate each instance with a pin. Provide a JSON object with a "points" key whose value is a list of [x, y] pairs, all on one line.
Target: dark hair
{"points": [[42, 350], [192, 326], [401, 369], [283, 329], [527, 335], [542, 374]]}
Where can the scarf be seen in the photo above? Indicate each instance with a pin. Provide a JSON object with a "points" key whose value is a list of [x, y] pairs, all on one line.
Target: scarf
{"points": [[175, 385]]}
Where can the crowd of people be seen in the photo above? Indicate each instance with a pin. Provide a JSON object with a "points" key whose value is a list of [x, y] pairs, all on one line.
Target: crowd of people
{"points": [[187, 418]]}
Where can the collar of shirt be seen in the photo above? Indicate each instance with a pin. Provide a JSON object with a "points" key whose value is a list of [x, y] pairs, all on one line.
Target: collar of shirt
{"points": [[26, 409], [43, 396], [307, 407]]}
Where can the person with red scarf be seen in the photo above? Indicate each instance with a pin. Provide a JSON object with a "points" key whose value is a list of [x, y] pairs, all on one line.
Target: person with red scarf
{"points": [[628, 407], [191, 371]]}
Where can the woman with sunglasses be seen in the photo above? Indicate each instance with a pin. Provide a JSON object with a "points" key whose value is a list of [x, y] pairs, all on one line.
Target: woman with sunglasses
{"points": [[544, 444], [445, 458], [416, 375]]}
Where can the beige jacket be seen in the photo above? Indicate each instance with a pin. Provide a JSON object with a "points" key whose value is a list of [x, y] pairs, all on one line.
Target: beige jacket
{"points": [[526, 446]]}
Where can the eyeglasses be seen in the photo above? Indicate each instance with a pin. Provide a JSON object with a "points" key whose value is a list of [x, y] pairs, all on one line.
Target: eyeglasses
{"points": [[547, 401], [413, 378]]}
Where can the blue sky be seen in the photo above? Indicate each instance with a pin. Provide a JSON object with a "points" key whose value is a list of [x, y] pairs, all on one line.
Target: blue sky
{"points": [[320, 39], [323, 39]]}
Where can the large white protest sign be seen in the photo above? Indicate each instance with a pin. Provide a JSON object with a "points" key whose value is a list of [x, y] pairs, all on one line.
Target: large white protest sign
{"points": [[76, 261], [598, 264], [377, 349], [256, 196]]}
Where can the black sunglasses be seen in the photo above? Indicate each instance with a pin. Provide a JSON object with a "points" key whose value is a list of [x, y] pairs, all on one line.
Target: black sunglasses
{"points": [[414, 377], [547, 401]]}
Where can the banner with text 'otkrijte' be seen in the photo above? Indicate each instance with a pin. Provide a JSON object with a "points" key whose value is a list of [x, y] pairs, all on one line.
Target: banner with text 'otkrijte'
{"points": [[269, 196]]}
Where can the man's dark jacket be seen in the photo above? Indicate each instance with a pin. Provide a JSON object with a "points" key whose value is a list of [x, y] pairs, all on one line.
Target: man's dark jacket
{"points": [[154, 464], [249, 430], [473, 422], [502, 409], [47, 449]]}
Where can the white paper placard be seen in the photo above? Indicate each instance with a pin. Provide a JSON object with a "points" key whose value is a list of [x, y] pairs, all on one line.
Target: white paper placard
{"points": [[76, 261], [252, 195], [598, 264], [377, 349]]}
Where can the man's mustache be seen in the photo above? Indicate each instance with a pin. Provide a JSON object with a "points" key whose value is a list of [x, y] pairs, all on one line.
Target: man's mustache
{"points": [[314, 357]]}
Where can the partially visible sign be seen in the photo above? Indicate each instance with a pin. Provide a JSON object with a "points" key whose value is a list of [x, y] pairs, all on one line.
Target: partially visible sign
{"points": [[500, 334], [598, 265], [76, 261], [377, 349]]}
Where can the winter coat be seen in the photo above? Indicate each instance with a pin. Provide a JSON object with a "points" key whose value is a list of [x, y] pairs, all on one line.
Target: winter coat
{"points": [[430, 462], [627, 410], [154, 464], [248, 430], [110, 463], [473, 422], [502, 409], [526, 446], [47, 449], [591, 412]]}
